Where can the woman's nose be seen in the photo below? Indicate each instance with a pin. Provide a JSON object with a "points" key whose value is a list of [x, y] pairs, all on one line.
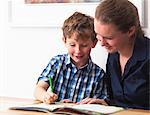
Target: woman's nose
{"points": [[101, 41]]}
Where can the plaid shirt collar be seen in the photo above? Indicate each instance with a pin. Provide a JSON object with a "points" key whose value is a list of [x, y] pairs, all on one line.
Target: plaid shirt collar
{"points": [[88, 66]]}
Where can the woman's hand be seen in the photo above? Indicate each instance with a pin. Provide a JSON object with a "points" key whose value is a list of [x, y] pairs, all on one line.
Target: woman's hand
{"points": [[66, 101], [92, 101]]}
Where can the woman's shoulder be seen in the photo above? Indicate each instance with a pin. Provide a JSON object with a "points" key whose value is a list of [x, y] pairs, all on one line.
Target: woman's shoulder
{"points": [[144, 40], [145, 43]]}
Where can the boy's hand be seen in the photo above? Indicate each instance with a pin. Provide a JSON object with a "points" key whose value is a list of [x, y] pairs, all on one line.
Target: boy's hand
{"points": [[49, 97]]}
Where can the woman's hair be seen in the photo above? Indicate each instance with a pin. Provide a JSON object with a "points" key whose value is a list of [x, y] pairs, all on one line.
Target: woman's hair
{"points": [[81, 24], [121, 13]]}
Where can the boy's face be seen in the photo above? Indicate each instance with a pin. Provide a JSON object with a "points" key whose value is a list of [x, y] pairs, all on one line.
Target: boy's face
{"points": [[79, 49]]}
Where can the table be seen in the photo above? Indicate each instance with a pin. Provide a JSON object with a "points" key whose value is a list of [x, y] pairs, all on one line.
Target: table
{"points": [[6, 102]]}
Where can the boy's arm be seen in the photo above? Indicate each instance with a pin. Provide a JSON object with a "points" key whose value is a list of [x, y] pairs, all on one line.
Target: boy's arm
{"points": [[42, 94], [40, 90]]}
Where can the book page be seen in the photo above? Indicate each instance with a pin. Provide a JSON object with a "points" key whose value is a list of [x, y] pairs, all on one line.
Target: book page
{"points": [[52, 106], [98, 108], [43, 106], [68, 107]]}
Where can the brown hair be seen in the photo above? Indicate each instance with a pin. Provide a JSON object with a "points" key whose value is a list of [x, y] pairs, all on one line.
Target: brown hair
{"points": [[81, 24], [122, 13]]}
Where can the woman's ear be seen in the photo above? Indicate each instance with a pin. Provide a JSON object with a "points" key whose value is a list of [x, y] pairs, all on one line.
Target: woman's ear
{"points": [[131, 31], [94, 43]]}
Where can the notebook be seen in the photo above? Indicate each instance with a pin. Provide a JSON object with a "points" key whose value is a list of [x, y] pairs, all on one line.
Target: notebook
{"points": [[70, 108]]}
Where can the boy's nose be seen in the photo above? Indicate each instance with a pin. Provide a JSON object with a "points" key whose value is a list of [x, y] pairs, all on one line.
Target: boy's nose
{"points": [[78, 49]]}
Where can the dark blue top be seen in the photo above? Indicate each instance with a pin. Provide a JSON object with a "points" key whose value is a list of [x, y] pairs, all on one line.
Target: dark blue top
{"points": [[130, 90]]}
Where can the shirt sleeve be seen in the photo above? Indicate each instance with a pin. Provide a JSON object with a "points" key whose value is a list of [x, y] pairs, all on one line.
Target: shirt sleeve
{"points": [[100, 90], [50, 70]]}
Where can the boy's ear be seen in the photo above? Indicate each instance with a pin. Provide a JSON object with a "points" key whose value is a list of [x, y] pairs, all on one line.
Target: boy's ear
{"points": [[64, 40], [94, 43]]}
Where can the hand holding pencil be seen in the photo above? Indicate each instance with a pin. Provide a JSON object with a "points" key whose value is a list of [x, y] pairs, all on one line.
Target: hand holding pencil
{"points": [[49, 96]]}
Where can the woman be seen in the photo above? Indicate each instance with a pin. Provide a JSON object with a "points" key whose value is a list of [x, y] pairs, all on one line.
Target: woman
{"points": [[118, 30]]}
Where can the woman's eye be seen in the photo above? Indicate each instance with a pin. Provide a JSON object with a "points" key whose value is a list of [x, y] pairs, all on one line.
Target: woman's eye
{"points": [[108, 38]]}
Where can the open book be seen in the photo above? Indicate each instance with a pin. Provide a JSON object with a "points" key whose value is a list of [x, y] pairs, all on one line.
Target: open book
{"points": [[70, 108]]}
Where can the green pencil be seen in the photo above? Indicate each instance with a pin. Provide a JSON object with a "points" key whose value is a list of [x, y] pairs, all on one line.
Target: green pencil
{"points": [[51, 84]]}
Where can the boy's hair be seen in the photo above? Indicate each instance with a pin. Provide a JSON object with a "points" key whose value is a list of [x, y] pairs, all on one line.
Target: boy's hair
{"points": [[81, 24], [122, 13]]}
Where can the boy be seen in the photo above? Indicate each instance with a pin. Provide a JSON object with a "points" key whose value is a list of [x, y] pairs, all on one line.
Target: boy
{"points": [[74, 75]]}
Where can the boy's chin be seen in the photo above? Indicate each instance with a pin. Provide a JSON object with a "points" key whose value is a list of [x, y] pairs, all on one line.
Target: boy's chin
{"points": [[80, 63]]}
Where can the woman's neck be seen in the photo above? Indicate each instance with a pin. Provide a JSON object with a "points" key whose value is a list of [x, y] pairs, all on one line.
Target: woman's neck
{"points": [[125, 55]]}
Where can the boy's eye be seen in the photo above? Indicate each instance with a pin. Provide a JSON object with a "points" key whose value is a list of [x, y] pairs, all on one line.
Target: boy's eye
{"points": [[84, 45], [72, 45]]}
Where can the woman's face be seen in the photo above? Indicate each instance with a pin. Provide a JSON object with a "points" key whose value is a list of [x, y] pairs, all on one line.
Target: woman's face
{"points": [[110, 38]]}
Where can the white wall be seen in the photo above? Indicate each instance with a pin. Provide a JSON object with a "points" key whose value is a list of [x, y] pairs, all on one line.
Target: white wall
{"points": [[25, 51]]}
